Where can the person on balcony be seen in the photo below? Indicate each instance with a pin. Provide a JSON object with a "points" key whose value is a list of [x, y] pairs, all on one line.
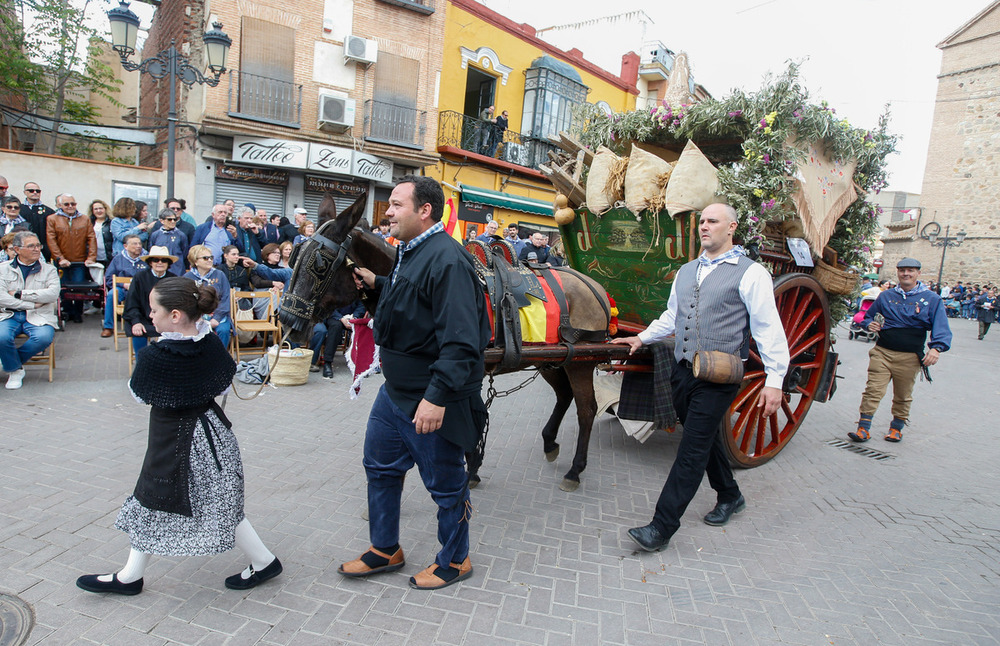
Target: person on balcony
{"points": [[496, 136]]}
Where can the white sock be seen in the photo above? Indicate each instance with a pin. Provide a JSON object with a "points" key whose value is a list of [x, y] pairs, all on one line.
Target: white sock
{"points": [[248, 541], [133, 570]]}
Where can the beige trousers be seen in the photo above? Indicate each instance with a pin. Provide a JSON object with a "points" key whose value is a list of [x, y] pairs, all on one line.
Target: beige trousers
{"points": [[901, 368]]}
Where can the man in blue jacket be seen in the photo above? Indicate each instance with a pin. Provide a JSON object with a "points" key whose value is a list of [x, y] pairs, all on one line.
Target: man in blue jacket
{"points": [[910, 310]]}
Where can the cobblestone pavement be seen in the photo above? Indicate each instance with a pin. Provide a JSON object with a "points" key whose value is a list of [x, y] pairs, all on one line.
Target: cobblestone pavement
{"points": [[834, 547]]}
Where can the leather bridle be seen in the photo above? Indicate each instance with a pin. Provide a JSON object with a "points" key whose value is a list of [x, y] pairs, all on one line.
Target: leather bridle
{"points": [[322, 261]]}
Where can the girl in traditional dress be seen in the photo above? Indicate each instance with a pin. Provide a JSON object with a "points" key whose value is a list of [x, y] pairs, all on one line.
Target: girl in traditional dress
{"points": [[188, 500]]}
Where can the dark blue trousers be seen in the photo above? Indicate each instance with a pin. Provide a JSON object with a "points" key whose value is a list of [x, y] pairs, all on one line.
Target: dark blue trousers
{"points": [[392, 447], [700, 406]]}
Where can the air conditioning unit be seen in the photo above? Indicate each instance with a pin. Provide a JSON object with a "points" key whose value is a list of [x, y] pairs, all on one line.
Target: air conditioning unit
{"points": [[360, 49], [336, 113]]}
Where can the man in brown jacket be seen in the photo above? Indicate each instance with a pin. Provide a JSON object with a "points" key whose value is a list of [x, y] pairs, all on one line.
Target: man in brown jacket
{"points": [[71, 239]]}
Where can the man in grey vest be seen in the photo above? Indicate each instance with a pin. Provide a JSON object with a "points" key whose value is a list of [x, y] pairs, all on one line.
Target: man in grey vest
{"points": [[716, 302]]}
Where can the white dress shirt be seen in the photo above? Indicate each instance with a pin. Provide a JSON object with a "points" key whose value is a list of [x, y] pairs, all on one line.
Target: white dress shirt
{"points": [[757, 293]]}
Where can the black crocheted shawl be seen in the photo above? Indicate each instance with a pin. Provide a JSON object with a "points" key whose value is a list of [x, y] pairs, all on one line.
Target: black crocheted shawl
{"points": [[182, 373]]}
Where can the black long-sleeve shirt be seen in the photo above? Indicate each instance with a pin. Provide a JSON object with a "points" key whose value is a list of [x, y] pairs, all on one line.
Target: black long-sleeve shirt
{"points": [[433, 327]]}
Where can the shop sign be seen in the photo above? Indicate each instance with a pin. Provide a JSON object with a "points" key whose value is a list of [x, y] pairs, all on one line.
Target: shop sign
{"points": [[371, 167], [474, 212], [330, 159], [339, 188], [270, 152], [268, 176]]}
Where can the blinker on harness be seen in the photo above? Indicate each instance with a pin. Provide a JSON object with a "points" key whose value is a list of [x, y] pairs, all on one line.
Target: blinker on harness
{"points": [[322, 266]]}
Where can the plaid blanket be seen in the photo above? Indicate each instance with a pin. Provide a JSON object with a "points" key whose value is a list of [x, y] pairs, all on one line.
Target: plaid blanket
{"points": [[647, 396]]}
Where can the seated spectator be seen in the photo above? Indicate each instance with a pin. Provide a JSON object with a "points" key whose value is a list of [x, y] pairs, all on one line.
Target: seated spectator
{"points": [[11, 219], [203, 272], [305, 232], [239, 277], [136, 320], [329, 334], [286, 247], [29, 289], [171, 237], [126, 264], [272, 256]]}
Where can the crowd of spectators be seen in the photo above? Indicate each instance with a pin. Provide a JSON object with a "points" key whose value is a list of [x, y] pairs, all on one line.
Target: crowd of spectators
{"points": [[87, 245]]}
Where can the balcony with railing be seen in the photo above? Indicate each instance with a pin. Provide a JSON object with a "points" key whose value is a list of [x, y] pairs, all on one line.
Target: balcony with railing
{"points": [[396, 125], [425, 7], [258, 98], [484, 138]]}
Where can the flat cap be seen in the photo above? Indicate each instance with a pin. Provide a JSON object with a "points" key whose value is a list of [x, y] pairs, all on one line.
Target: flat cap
{"points": [[908, 263], [300, 210]]}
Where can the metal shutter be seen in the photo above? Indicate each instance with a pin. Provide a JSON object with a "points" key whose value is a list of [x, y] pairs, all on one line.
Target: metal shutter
{"points": [[271, 198], [313, 200]]}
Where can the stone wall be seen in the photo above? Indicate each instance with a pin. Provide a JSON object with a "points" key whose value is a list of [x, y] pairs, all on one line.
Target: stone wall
{"points": [[961, 186]]}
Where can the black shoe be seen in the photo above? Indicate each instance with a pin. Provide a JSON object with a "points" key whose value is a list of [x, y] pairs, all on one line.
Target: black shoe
{"points": [[237, 582], [91, 583], [78, 318], [327, 371], [724, 511], [648, 538]]}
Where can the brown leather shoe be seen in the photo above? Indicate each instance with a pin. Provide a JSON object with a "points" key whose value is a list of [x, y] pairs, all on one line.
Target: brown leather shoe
{"points": [[427, 579], [374, 564], [105, 333]]}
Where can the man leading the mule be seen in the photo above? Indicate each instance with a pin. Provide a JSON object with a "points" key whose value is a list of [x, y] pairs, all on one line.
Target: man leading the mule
{"points": [[432, 327], [716, 302]]}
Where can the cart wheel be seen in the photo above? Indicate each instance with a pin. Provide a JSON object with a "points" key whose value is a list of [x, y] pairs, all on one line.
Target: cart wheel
{"points": [[751, 439], [850, 336]]}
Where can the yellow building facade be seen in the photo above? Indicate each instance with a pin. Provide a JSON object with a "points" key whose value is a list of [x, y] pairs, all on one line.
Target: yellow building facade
{"points": [[491, 173]]}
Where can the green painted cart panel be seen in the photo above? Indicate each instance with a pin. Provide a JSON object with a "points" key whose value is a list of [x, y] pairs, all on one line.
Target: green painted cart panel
{"points": [[635, 260]]}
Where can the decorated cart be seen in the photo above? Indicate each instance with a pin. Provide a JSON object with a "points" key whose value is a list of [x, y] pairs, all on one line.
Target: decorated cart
{"points": [[631, 187]]}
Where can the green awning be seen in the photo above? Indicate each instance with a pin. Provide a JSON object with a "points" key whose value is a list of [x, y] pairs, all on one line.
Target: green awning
{"points": [[505, 200]]}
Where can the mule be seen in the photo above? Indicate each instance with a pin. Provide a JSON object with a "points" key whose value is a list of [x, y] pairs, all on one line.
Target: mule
{"points": [[323, 280]]}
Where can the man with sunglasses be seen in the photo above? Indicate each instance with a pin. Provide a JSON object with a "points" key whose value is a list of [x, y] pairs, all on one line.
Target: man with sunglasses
{"points": [[73, 245], [170, 236], [36, 213], [28, 290]]}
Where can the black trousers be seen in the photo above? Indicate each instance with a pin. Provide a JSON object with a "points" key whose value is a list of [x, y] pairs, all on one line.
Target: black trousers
{"points": [[700, 406]]}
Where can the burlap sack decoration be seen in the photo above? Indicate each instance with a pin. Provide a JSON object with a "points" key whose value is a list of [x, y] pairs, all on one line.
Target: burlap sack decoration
{"points": [[641, 181], [825, 190], [693, 184], [598, 199]]}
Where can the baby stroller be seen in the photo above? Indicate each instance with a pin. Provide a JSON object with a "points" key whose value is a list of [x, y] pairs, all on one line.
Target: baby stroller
{"points": [[857, 329]]}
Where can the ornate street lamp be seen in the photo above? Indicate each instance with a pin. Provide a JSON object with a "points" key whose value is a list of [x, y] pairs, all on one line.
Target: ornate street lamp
{"points": [[931, 232], [169, 62]]}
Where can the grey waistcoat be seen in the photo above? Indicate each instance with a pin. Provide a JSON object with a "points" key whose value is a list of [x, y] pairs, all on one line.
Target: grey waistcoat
{"points": [[722, 316]]}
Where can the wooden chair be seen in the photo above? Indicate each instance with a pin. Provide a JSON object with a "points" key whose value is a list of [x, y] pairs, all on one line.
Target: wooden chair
{"points": [[268, 325], [46, 357], [119, 307]]}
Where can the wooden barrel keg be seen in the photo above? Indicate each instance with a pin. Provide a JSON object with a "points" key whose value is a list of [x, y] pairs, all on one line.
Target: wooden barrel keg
{"points": [[717, 367]]}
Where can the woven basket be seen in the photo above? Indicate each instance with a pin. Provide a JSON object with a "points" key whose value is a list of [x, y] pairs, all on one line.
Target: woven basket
{"points": [[292, 369], [833, 280]]}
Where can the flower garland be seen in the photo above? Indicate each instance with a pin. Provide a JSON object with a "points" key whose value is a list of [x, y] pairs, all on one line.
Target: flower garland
{"points": [[758, 167]]}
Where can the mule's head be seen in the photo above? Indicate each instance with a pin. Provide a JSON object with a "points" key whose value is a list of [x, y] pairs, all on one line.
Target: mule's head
{"points": [[321, 280]]}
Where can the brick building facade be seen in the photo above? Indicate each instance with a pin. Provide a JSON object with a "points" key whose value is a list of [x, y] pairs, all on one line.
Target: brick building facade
{"points": [[319, 96]]}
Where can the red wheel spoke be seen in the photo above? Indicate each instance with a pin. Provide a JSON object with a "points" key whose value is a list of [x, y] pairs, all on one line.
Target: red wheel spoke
{"points": [[751, 438], [798, 348]]}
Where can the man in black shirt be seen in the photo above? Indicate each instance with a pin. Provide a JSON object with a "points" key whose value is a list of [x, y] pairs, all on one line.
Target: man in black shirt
{"points": [[36, 214], [432, 327]]}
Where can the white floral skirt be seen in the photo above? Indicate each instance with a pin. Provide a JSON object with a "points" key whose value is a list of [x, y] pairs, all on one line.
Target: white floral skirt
{"points": [[216, 502]]}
